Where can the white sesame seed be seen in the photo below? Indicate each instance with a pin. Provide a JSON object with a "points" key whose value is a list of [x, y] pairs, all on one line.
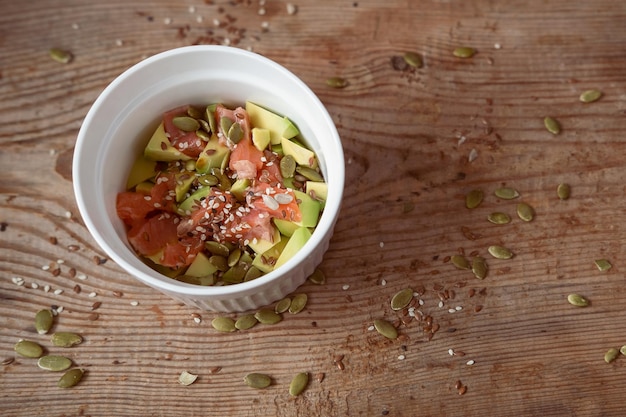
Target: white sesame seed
{"points": [[383, 282], [18, 281], [216, 22], [497, 46], [345, 287], [60, 309], [134, 303], [119, 42], [401, 357], [45, 267], [420, 302], [451, 310], [60, 261], [46, 288], [291, 8], [58, 291], [34, 285], [470, 362], [381, 244], [167, 20], [68, 214], [199, 19], [265, 25], [197, 319], [472, 155], [370, 328], [451, 352], [192, 9], [81, 277], [458, 308], [440, 305], [92, 294], [75, 26]]}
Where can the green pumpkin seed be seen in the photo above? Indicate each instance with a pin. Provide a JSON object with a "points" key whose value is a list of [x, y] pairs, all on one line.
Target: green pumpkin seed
{"points": [[500, 252], [252, 273], [298, 303], [256, 380], [603, 264], [413, 59], [401, 299], [460, 262], [217, 248], [298, 384], [309, 173], [186, 378], [71, 378], [563, 191], [590, 96], [552, 125], [225, 125], [499, 218], [235, 133], [622, 350], [282, 305], [473, 199], [203, 135], [220, 262], [235, 274], [317, 277], [245, 322], [28, 349], [287, 166], [208, 180], [386, 329], [186, 123], [577, 300], [506, 193], [66, 339], [336, 82], [223, 324], [611, 355], [43, 321], [267, 316], [54, 363], [60, 55], [525, 212], [479, 267], [233, 257], [464, 52]]}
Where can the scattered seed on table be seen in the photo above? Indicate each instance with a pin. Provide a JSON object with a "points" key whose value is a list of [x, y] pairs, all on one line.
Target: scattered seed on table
{"points": [[500, 252], [525, 212], [43, 321], [479, 267], [71, 378], [186, 378], [267, 316], [464, 52], [317, 277], [474, 198], [603, 264], [245, 322], [298, 384], [611, 355], [386, 329], [223, 324], [506, 193], [552, 125], [460, 262], [401, 299], [60, 55], [257, 380], [563, 191], [622, 350], [337, 82], [590, 96], [54, 363], [28, 349], [499, 217], [413, 59], [66, 339], [577, 300], [298, 303]]}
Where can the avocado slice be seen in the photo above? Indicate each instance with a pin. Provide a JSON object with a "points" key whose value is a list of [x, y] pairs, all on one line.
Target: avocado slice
{"points": [[320, 189], [278, 126], [214, 155], [142, 170], [285, 227], [188, 203], [261, 138], [159, 148], [201, 267], [260, 246], [184, 180], [302, 155], [309, 208], [260, 261], [239, 188], [299, 238]]}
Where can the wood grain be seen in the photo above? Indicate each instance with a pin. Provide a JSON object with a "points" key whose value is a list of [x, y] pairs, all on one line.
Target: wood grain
{"points": [[408, 135]]}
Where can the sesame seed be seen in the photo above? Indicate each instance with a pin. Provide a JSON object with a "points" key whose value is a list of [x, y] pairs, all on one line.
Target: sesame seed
{"points": [[68, 214], [197, 319], [34, 285], [46, 288], [59, 309], [383, 282], [45, 267], [345, 287], [451, 352], [370, 328], [92, 294], [75, 26], [381, 244], [451, 310], [167, 20], [58, 291], [81, 277], [192, 9], [401, 357], [470, 362], [440, 305], [134, 303], [119, 42], [18, 281], [458, 308]]}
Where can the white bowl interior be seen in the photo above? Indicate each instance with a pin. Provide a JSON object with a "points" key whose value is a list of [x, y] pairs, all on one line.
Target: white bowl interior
{"points": [[121, 120]]}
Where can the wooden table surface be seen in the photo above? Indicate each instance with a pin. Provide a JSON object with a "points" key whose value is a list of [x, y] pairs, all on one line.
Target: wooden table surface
{"points": [[416, 142]]}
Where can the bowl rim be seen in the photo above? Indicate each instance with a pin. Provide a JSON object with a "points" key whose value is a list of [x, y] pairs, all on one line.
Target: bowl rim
{"points": [[164, 283]]}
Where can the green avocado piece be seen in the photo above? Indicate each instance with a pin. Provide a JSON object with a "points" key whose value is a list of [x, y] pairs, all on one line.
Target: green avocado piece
{"points": [[261, 261], [285, 227], [201, 267], [261, 246], [184, 180], [214, 155], [142, 170], [302, 155], [144, 187], [239, 188], [188, 203], [159, 148], [278, 126], [299, 238], [309, 208], [261, 138], [319, 189]]}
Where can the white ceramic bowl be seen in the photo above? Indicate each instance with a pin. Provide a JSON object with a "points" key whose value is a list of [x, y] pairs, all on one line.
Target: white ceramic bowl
{"points": [[120, 121]]}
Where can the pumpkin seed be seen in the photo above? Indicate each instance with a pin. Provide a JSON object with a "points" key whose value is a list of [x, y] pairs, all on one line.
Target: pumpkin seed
{"points": [[590, 96], [217, 248], [479, 267], [202, 135], [298, 303], [298, 384], [194, 112], [309, 173], [385, 328], [283, 305], [577, 300], [460, 262], [208, 180], [622, 350], [186, 378], [233, 257], [235, 134], [317, 277], [499, 218], [336, 82], [225, 125], [245, 322], [54, 363], [500, 252], [186, 123], [252, 273], [603, 264], [209, 115], [66, 339], [506, 193], [28, 349], [611, 355], [220, 262], [525, 212], [235, 274], [223, 324], [43, 321], [401, 299], [267, 316], [474, 198], [563, 191], [464, 52], [256, 380], [413, 59], [287, 166], [60, 55], [552, 125], [71, 378]]}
